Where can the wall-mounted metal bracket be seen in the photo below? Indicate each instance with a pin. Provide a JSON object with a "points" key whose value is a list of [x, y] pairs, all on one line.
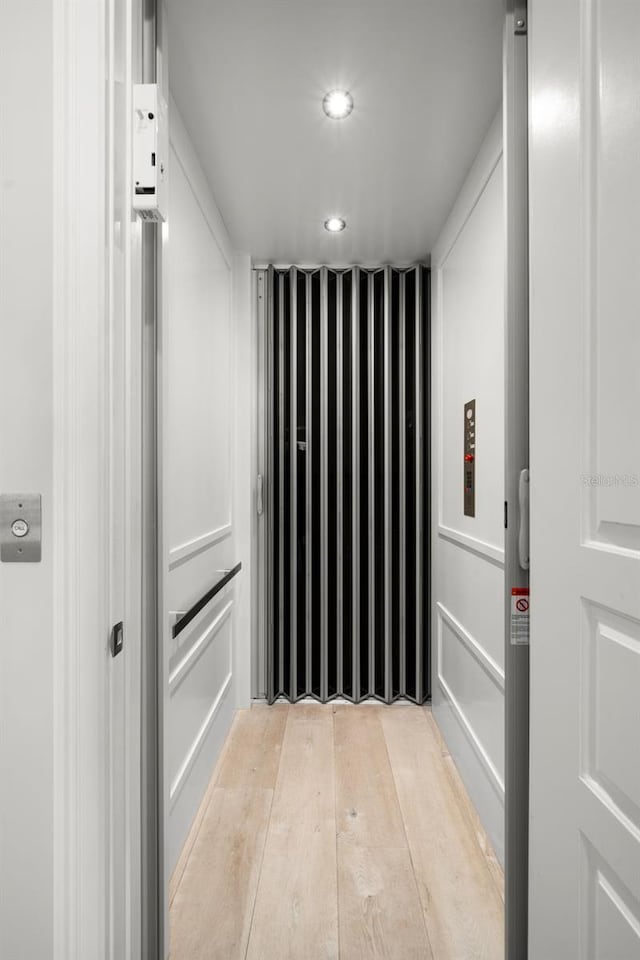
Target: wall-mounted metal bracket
{"points": [[520, 19]]}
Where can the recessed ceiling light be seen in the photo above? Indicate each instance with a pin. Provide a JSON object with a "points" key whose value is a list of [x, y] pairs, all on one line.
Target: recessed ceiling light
{"points": [[334, 224], [338, 104]]}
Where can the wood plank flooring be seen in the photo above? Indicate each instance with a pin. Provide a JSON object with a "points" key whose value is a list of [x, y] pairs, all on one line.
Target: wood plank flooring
{"points": [[337, 832]]}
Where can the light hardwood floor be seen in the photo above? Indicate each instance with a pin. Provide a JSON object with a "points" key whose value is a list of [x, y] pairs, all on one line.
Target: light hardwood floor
{"points": [[334, 832]]}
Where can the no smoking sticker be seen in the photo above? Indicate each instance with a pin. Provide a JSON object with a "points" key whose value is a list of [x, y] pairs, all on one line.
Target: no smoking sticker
{"points": [[520, 606]]}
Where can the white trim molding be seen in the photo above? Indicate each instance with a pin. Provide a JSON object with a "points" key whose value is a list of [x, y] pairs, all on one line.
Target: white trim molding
{"points": [[81, 492], [191, 548], [487, 550]]}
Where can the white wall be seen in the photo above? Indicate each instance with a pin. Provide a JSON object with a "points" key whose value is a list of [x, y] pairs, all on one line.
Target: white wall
{"points": [[468, 552], [207, 399], [26, 451]]}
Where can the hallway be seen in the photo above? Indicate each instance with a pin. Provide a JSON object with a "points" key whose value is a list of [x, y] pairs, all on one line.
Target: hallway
{"points": [[310, 843]]}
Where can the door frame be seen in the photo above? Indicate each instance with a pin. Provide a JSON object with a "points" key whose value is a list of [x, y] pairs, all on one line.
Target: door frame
{"points": [[153, 913], [516, 659], [259, 646], [96, 475]]}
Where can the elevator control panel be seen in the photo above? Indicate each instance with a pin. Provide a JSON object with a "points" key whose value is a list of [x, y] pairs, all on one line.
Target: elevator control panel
{"points": [[20, 528], [469, 468]]}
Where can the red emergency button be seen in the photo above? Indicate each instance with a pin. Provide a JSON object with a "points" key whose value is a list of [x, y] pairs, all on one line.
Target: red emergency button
{"points": [[468, 457]]}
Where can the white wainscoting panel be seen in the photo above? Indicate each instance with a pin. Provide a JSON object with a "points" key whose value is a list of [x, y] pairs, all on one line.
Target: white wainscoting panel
{"points": [[475, 689], [198, 383], [468, 552], [610, 195], [186, 551], [472, 587], [199, 544], [193, 698]]}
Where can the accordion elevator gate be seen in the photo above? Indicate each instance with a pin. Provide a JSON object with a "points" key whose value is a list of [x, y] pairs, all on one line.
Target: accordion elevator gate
{"points": [[347, 414]]}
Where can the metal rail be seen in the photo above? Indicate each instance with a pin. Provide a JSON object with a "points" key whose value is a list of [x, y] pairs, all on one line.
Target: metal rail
{"points": [[200, 604]]}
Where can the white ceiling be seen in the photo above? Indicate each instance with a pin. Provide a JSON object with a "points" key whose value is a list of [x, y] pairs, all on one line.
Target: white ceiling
{"points": [[249, 77]]}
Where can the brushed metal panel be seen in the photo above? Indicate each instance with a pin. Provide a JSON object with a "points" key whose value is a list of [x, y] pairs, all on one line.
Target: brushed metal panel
{"points": [[20, 527]]}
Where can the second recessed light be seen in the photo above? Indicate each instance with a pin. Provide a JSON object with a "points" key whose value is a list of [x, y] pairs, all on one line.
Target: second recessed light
{"points": [[334, 224], [338, 104]]}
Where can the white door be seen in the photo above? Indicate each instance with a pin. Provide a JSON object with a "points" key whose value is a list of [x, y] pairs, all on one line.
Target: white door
{"points": [[585, 487], [198, 540]]}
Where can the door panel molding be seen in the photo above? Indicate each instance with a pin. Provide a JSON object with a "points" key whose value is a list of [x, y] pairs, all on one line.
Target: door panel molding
{"points": [[611, 473], [609, 913], [609, 683]]}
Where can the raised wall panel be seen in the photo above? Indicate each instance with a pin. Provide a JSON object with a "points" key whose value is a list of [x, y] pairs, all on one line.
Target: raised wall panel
{"points": [[612, 239], [198, 384], [476, 693], [616, 932], [193, 698]]}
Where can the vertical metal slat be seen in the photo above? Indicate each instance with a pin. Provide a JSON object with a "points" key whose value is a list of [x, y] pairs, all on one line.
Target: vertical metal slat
{"points": [[293, 498], [281, 461], [388, 506], [324, 484], [419, 481], [371, 353], [309, 489], [271, 533], [339, 485], [355, 478], [402, 440]]}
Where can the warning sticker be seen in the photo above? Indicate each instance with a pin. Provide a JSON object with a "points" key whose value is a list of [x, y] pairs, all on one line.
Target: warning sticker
{"points": [[519, 615]]}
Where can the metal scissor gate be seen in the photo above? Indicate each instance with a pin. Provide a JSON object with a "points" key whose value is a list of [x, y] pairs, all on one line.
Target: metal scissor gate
{"points": [[347, 483]]}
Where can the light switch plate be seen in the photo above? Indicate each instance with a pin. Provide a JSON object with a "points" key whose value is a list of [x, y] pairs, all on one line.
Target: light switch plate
{"points": [[20, 527]]}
